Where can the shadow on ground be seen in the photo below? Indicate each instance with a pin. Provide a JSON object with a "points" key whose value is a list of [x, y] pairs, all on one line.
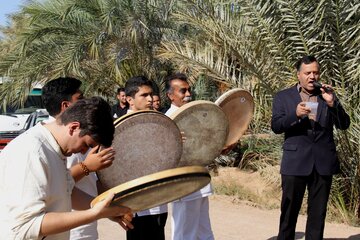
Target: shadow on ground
{"points": [[298, 235], [301, 235], [353, 237]]}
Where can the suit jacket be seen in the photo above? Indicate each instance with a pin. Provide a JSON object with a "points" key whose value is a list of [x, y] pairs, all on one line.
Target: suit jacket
{"points": [[305, 145]]}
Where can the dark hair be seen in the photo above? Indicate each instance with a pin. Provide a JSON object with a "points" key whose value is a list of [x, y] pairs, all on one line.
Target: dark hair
{"points": [[58, 90], [120, 89], [133, 84], [95, 118], [168, 79], [306, 60]]}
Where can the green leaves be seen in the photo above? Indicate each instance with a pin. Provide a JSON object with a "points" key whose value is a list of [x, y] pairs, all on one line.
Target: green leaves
{"points": [[83, 39]]}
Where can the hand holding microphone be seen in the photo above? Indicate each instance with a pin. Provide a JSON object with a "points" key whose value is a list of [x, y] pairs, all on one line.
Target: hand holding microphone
{"points": [[328, 93], [319, 85]]}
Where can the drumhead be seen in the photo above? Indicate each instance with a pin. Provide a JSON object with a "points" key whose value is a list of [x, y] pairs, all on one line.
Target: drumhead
{"points": [[205, 127], [145, 142], [238, 105], [158, 188]]}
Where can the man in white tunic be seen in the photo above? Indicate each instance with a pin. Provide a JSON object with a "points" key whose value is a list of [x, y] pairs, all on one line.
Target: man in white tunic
{"points": [[190, 215], [37, 189]]}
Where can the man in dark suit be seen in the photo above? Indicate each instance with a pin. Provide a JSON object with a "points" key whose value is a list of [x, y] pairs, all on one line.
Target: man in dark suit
{"points": [[309, 153]]}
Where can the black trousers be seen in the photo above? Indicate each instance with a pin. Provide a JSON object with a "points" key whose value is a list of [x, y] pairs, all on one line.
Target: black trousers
{"points": [[293, 188], [148, 227]]}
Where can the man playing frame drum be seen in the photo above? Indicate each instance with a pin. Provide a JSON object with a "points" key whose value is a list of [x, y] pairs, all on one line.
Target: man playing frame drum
{"points": [[57, 95], [148, 149], [148, 224], [37, 188], [190, 215]]}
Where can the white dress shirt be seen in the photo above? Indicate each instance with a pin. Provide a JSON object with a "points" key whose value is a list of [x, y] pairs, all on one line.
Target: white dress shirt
{"points": [[34, 180]]}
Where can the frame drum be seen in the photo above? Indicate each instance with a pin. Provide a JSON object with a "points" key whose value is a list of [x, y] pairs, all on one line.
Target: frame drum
{"points": [[158, 188], [238, 105], [145, 142], [205, 127]]}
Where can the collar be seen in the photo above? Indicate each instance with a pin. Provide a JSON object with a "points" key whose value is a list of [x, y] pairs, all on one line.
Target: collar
{"points": [[174, 107], [304, 91], [51, 140]]}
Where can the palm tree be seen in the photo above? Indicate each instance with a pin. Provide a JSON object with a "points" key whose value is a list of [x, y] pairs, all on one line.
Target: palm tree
{"points": [[102, 42]]}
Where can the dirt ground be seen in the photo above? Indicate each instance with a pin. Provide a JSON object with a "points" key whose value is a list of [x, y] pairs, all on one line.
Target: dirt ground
{"points": [[232, 219]]}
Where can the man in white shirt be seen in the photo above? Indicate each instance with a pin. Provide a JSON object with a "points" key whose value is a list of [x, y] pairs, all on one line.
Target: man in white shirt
{"points": [[57, 95], [148, 224], [37, 189], [190, 215]]}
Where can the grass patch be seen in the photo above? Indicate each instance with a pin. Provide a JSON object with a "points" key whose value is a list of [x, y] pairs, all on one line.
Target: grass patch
{"points": [[247, 188]]}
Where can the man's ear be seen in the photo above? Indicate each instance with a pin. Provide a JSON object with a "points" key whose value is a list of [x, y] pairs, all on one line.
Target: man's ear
{"points": [[73, 126], [169, 95], [64, 105], [130, 100]]}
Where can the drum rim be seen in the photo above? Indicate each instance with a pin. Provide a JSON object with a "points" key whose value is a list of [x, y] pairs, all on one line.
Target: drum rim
{"points": [[229, 96], [152, 179], [184, 107], [230, 93], [128, 115]]}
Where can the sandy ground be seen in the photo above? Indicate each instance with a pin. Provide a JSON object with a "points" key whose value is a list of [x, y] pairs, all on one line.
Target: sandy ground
{"points": [[232, 221]]}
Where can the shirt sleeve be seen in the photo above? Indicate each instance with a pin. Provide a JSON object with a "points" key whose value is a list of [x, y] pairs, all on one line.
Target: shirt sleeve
{"points": [[26, 191]]}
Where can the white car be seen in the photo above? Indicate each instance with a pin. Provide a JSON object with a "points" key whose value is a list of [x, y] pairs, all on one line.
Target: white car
{"points": [[13, 124]]}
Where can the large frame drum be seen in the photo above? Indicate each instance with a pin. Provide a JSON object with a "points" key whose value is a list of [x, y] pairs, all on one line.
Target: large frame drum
{"points": [[238, 106], [145, 142], [158, 188], [205, 127]]}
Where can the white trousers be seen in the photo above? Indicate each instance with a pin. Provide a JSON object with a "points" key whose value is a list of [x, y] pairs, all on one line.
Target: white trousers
{"points": [[190, 220]]}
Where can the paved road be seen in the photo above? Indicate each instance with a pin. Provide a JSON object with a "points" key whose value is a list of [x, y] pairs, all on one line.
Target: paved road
{"points": [[239, 221]]}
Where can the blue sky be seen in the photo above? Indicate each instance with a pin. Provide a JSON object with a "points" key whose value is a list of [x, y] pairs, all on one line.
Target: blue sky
{"points": [[7, 7]]}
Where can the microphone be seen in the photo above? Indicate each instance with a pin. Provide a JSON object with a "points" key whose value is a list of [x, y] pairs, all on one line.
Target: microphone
{"points": [[319, 85]]}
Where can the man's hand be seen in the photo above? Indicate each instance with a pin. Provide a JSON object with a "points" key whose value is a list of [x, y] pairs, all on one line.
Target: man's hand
{"points": [[302, 110], [328, 95], [99, 158], [124, 221], [183, 137], [120, 214]]}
